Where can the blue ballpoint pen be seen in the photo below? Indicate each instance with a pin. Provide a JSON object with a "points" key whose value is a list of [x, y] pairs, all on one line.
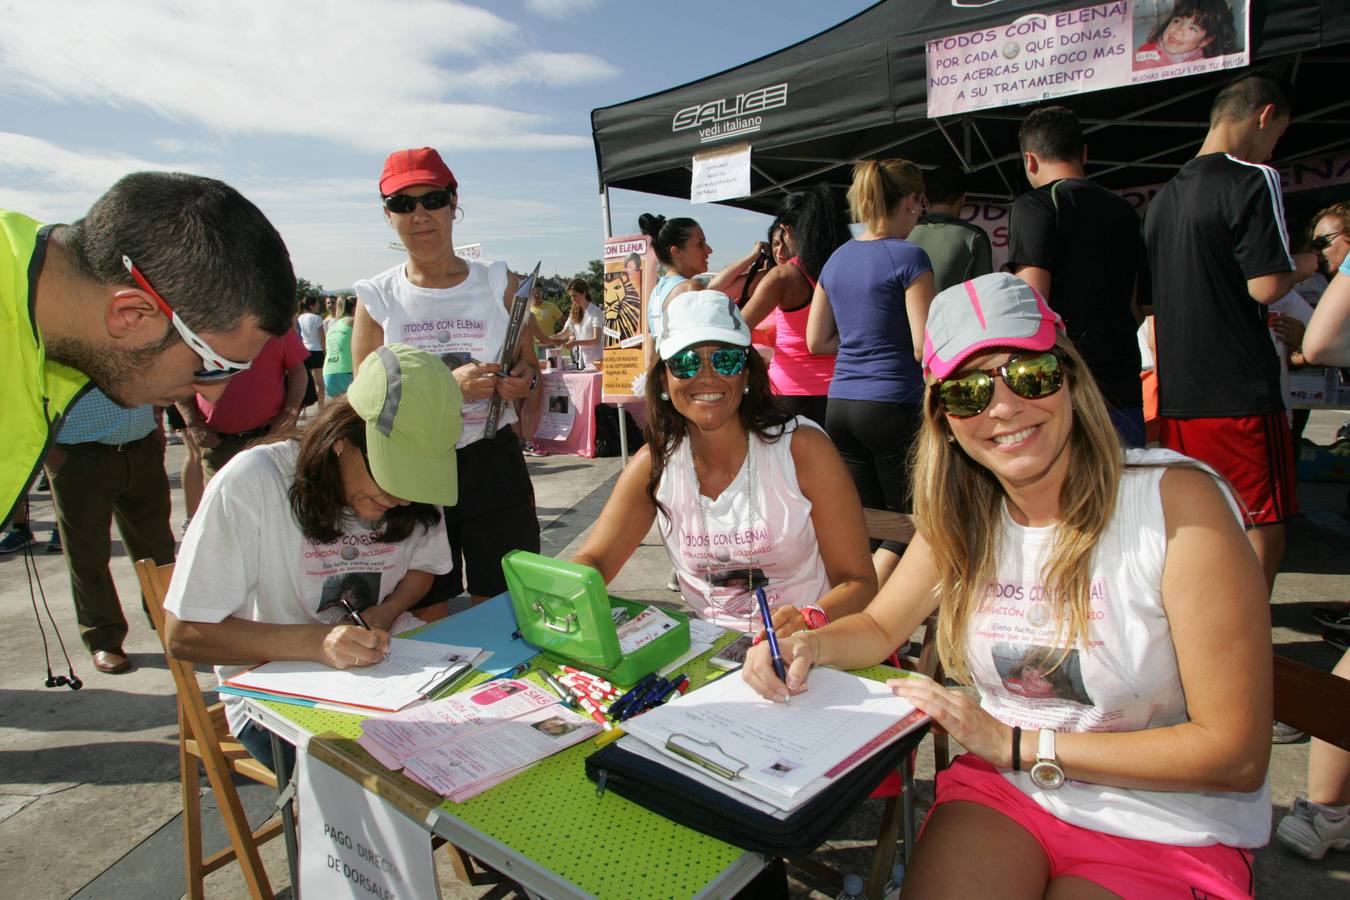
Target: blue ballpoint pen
{"points": [[778, 667], [616, 708], [644, 700]]}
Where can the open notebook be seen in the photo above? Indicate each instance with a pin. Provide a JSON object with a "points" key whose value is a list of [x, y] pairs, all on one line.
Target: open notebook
{"points": [[413, 671], [778, 754]]}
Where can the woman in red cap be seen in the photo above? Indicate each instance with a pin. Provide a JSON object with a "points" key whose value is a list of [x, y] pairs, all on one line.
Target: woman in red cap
{"points": [[459, 310]]}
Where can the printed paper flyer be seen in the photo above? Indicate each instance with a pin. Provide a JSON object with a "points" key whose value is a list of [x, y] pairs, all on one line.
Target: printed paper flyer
{"points": [[630, 270]]}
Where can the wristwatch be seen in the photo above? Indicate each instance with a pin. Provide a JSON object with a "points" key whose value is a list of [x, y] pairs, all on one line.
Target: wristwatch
{"points": [[1047, 772]]}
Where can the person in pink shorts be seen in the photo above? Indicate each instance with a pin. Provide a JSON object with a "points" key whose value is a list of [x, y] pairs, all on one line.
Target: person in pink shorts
{"points": [[1106, 608]]}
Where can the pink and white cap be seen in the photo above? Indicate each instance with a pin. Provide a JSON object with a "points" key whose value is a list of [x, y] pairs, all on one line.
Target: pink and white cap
{"points": [[996, 310]]}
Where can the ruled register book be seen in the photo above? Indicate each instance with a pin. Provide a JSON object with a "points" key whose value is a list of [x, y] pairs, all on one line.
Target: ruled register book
{"points": [[777, 754]]}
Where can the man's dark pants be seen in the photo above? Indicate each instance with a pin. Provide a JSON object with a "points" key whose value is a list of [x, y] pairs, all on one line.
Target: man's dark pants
{"points": [[94, 485]]}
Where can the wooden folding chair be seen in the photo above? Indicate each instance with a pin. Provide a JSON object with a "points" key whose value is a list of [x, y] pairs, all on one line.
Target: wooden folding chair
{"points": [[203, 735], [1313, 701]]}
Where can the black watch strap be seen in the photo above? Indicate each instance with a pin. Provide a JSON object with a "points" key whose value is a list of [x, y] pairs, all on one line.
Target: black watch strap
{"points": [[1017, 749]]}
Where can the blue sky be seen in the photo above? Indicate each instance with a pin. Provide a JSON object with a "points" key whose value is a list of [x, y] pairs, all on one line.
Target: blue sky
{"points": [[297, 103]]}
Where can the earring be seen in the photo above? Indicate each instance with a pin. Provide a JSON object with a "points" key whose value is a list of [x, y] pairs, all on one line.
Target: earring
{"points": [[746, 389], [665, 396], [459, 213], [951, 439]]}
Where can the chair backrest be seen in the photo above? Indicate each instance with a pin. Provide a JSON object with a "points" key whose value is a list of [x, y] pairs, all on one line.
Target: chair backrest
{"points": [[1313, 701], [155, 585]]}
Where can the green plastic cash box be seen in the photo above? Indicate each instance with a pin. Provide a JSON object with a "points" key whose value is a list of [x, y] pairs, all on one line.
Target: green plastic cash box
{"points": [[563, 609]]}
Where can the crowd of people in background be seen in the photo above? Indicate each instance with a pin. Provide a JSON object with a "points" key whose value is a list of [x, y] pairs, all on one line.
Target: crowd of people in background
{"points": [[820, 374]]}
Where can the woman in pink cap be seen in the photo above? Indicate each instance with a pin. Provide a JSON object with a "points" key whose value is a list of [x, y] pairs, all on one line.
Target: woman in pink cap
{"points": [[1134, 762], [458, 310]]}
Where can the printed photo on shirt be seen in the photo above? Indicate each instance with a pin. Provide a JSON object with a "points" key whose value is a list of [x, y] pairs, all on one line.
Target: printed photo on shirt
{"points": [[360, 590], [1036, 672]]}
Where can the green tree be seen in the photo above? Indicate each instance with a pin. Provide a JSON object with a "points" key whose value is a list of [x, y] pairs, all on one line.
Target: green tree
{"points": [[307, 290]]}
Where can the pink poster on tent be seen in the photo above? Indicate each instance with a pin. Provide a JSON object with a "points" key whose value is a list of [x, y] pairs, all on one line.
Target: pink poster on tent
{"points": [[1041, 57]]}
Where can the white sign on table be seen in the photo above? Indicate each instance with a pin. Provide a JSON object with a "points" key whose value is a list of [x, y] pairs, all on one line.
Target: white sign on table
{"points": [[353, 844], [722, 174]]}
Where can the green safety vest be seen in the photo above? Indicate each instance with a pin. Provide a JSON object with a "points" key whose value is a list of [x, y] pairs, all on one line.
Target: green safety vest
{"points": [[38, 391]]}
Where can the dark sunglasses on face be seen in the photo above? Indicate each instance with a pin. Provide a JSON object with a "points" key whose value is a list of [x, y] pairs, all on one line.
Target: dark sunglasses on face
{"points": [[1031, 377], [1323, 241], [406, 203], [726, 361]]}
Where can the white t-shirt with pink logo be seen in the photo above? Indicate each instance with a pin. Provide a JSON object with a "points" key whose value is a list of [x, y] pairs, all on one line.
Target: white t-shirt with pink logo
{"points": [[767, 537], [244, 555], [462, 324], [1125, 679]]}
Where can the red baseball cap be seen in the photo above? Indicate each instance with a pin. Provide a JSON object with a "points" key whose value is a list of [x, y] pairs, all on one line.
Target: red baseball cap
{"points": [[423, 165]]}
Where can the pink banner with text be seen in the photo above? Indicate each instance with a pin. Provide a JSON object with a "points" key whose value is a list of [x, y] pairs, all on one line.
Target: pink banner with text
{"points": [[1041, 57]]}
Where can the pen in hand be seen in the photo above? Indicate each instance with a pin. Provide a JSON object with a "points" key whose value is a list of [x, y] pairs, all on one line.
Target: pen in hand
{"points": [[356, 617], [351, 611], [772, 636]]}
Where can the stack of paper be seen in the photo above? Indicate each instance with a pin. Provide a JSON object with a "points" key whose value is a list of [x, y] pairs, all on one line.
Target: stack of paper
{"points": [[776, 753], [413, 671], [465, 744]]}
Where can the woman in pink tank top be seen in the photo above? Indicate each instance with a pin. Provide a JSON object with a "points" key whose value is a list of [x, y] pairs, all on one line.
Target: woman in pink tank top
{"points": [[813, 225]]}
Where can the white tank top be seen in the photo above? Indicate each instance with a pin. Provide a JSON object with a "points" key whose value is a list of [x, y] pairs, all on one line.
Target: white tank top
{"points": [[464, 323], [1126, 680], [773, 537]]}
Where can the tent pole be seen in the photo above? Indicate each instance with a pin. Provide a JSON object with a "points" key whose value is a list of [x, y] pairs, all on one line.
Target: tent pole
{"points": [[604, 211]]}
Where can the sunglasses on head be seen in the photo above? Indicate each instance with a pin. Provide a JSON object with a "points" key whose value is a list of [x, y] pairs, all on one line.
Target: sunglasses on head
{"points": [[431, 200], [214, 366], [1031, 377], [1323, 241], [726, 361]]}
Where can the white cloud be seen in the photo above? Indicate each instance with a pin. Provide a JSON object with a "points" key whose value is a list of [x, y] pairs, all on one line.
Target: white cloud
{"points": [[559, 9], [369, 74], [541, 69]]}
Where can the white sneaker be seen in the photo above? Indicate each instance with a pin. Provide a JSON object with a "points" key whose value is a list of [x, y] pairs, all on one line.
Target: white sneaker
{"points": [[1309, 832]]}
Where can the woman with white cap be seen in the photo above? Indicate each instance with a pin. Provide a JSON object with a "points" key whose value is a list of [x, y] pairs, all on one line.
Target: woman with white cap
{"points": [[745, 495], [1136, 766], [289, 530], [459, 310]]}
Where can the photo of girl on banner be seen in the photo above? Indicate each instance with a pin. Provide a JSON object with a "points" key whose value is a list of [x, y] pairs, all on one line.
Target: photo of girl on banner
{"points": [[1186, 31]]}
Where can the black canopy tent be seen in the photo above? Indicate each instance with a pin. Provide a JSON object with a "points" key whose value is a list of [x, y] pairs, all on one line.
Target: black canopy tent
{"points": [[859, 90]]}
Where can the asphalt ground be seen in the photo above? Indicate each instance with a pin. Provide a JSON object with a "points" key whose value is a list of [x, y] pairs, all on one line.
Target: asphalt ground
{"points": [[89, 802]]}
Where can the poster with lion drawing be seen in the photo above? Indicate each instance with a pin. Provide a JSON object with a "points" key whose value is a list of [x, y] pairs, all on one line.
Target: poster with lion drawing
{"points": [[630, 268]]}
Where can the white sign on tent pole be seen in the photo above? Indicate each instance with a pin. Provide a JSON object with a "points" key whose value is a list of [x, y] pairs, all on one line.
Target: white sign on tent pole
{"points": [[722, 174]]}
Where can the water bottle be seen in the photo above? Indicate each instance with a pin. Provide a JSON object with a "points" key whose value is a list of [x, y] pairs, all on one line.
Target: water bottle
{"points": [[853, 888], [892, 889]]}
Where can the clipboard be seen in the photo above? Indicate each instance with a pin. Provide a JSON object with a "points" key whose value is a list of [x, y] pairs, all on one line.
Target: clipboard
{"points": [[696, 802]]}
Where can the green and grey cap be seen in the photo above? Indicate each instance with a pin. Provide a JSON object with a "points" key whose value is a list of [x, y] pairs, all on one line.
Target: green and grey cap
{"points": [[411, 404]]}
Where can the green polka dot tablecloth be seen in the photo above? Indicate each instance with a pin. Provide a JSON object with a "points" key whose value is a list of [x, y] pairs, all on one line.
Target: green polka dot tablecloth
{"points": [[550, 814]]}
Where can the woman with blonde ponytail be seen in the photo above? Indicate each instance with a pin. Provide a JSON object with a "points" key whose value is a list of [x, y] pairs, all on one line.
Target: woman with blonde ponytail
{"points": [[869, 309], [1106, 608]]}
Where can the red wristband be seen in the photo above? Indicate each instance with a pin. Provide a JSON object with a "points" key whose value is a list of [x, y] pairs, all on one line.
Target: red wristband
{"points": [[815, 616]]}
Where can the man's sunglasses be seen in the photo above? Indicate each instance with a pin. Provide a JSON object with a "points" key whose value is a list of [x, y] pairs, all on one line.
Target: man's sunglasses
{"points": [[214, 366], [1323, 241], [1030, 377], [431, 200], [726, 361]]}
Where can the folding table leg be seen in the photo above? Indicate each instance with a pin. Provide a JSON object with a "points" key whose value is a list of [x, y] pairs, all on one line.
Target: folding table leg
{"points": [[907, 798], [284, 775]]}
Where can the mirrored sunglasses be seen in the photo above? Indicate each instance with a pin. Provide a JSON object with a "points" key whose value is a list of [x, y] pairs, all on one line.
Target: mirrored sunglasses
{"points": [[1031, 377], [406, 203], [726, 361]]}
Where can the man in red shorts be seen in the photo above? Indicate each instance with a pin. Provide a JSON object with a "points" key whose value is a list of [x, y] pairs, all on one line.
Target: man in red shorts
{"points": [[1218, 254]]}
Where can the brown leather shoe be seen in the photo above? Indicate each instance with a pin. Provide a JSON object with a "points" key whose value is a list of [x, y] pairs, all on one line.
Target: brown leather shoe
{"points": [[111, 662]]}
